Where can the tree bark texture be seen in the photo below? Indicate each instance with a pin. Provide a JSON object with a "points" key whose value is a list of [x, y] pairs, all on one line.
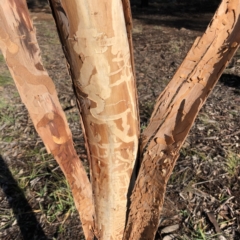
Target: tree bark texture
{"points": [[174, 113], [95, 42], [129, 26], [19, 46]]}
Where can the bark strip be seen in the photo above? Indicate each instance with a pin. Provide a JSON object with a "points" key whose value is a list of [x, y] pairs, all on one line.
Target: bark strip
{"points": [[19, 46], [129, 27], [174, 113], [95, 41]]}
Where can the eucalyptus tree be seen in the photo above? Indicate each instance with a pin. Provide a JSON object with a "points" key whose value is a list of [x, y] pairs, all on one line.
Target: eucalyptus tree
{"points": [[96, 39]]}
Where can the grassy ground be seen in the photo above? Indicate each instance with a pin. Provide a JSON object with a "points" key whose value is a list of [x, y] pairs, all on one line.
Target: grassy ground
{"points": [[202, 201]]}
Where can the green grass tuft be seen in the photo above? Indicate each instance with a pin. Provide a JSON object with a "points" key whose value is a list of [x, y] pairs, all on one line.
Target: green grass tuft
{"points": [[5, 80], [232, 163]]}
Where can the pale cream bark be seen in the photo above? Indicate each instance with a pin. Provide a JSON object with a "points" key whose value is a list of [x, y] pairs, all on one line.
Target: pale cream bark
{"points": [[19, 46], [95, 41], [174, 114]]}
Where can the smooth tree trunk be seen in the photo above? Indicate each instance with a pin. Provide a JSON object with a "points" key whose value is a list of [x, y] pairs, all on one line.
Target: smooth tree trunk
{"points": [[95, 41], [19, 46], [174, 114]]}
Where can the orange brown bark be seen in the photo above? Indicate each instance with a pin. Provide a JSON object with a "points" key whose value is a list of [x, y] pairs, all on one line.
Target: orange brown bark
{"points": [[19, 46], [174, 113]]}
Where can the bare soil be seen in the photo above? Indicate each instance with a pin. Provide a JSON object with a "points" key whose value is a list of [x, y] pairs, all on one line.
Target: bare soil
{"points": [[203, 198]]}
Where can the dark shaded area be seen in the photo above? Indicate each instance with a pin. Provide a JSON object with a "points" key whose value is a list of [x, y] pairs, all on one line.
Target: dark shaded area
{"points": [[144, 3], [232, 81], [134, 176], [198, 6], [37, 3], [192, 15], [26, 220], [237, 235]]}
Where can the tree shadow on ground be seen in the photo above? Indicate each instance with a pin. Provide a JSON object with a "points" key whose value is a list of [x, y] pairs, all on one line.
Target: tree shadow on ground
{"points": [[232, 81], [37, 3], [26, 219], [178, 6], [194, 15]]}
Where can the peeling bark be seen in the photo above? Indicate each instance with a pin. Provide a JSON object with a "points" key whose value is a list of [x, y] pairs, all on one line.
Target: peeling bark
{"points": [[174, 114], [19, 46], [95, 42], [129, 25]]}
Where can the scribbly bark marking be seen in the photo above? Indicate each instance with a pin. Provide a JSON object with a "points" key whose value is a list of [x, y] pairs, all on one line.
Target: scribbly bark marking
{"points": [[97, 50]]}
